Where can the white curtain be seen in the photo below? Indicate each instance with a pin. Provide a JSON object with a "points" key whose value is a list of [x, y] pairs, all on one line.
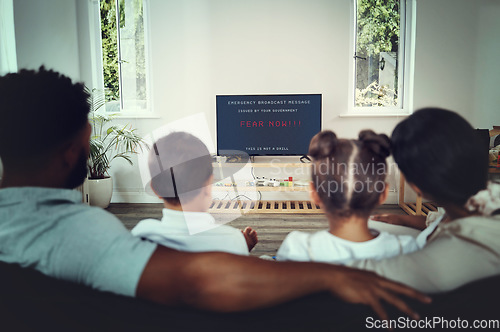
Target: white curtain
{"points": [[8, 60]]}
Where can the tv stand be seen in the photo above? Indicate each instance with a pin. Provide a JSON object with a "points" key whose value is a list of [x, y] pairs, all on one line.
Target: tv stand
{"points": [[264, 206], [305, 157], [261, 206]]}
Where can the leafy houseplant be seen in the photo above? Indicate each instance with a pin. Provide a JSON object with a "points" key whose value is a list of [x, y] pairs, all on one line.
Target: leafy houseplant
{"points": [[107, 143]]}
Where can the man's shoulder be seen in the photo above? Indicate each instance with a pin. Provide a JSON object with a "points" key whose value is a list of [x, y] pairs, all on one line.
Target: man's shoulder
{"points": [[66, 212], [49, 203], [91, 212]]}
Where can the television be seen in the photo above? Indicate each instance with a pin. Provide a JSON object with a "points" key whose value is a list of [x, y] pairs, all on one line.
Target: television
{"points": [[267, 125]]}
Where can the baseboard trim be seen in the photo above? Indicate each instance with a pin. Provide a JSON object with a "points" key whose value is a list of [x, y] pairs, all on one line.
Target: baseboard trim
{"points": [[142, 197], [133, 197]]}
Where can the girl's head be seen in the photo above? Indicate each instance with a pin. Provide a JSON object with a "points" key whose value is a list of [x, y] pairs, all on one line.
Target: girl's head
{"points": [[440, 153], [348, 176]]}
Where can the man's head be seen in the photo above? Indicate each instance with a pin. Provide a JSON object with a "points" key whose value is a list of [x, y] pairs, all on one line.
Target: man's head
{"points": [[440, 153], [181, 169], [44, 124]]}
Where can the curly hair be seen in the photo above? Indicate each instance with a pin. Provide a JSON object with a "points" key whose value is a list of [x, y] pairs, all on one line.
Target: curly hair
{"points": [[349, 175], [438, 151], [40, 110]]}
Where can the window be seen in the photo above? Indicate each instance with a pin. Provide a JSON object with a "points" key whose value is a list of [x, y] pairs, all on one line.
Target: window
{"points": [[124, 55], [382, 56], [8, 59]]}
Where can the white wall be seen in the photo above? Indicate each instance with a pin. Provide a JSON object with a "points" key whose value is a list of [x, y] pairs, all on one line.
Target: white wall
{"points": [[487, 75], [247, 47], [201, 48], [252, 47], [445, 55], [46, 34], [204, 48], [457, 52]]}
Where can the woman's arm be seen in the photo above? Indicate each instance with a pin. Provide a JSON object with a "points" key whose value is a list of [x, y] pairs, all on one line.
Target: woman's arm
{"points": [[417, 222], [225, 282]]}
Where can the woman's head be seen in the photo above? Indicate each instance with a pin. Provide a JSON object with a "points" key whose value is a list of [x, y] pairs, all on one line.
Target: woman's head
{"points": [[440, 153], [349, 175]]}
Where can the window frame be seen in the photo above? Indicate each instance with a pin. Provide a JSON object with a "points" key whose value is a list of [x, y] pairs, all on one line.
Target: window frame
{"points": [[8, 41], [97, 61], [406, 67]]}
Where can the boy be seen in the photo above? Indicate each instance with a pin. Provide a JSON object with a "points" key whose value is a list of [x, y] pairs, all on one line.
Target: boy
{"points": [[181, 167]]}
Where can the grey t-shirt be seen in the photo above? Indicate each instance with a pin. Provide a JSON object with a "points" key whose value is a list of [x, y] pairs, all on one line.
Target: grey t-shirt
{"points": [[50, 230]]}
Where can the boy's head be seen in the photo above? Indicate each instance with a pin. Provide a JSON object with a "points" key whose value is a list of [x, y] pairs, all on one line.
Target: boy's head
{"points": [[181, 167], [348, 176]]}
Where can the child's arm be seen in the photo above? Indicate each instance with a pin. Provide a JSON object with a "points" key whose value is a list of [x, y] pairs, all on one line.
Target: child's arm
{"points": [[417, 222]]}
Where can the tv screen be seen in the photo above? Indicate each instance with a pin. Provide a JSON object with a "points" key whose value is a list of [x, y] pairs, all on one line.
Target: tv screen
{"points": [[267, 124]]}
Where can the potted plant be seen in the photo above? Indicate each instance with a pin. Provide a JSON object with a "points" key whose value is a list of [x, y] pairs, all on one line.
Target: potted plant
{"points": [[107, 143]]}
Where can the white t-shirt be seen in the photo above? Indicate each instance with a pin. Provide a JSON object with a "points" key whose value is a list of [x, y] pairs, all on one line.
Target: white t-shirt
{"points": [[175, 230], [325, 247]]}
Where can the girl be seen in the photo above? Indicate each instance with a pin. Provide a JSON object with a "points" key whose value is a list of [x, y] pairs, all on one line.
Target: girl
{"points": [[348, 182]]}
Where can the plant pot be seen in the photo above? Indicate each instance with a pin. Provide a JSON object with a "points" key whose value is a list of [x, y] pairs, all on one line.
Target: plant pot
{"points": [[100, 192]]}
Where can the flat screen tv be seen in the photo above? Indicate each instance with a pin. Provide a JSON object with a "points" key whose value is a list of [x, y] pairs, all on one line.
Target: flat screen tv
{"points": [[272, 125]]}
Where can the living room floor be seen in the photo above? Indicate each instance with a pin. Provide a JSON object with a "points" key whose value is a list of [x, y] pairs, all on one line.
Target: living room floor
{"points": [[271, 228]]}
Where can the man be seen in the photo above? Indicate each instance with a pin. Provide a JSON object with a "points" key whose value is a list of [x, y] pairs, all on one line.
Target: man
{"points": [[44, 143]]}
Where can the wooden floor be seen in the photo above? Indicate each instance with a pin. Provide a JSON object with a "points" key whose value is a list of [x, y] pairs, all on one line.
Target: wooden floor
{"points": [[271, 228]]}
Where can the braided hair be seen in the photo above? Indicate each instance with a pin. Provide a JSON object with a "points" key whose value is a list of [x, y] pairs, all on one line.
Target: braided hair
{"points": [[349, 175]]}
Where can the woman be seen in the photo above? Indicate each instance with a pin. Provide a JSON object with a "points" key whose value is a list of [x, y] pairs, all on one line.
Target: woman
{"points": [[440, 155]]}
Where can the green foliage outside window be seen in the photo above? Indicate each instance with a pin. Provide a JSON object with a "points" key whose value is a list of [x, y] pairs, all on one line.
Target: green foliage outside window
{"points": [[377, 30], [140, 50], [378, 27], [109, 38]]}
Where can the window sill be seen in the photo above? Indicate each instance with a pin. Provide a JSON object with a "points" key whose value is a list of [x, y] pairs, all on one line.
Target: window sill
{"points": [[135, 115], [374, 114]]}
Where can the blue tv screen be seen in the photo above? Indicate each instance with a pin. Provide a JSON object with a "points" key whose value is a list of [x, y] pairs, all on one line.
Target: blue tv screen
{"points": [[260, 125]]}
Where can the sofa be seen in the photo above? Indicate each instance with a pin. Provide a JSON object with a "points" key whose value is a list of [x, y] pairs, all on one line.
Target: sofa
{"points": [[31, 301]]}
